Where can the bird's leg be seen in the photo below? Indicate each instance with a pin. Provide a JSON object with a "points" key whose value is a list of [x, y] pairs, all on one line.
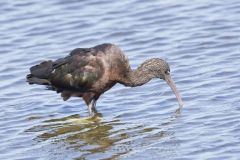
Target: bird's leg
{"points": [[92, 108], [94, 105], [91, 99]]}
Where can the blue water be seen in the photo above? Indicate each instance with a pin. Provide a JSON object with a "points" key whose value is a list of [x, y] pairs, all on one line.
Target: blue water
{"points": [[200, 41]]}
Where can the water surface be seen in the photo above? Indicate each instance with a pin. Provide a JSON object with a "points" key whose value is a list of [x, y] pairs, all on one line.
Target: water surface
{"points": [[200, 41]]}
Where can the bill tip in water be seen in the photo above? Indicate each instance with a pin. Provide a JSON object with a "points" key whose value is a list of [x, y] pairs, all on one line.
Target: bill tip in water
{"points": [[181, 104]]}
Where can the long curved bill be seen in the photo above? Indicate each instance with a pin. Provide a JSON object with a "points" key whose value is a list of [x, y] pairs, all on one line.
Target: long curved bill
{"points": [[171, 83]]}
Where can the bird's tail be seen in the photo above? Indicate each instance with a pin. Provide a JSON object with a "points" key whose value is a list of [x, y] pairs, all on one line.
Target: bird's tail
{"points": [[40, 73]]}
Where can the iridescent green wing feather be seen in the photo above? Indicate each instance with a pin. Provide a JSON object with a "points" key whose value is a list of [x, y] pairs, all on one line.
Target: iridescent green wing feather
{"points": [[79, 71]]}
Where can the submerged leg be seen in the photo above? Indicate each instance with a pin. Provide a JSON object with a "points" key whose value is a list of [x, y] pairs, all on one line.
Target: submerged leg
{"points": [[92, 108], [91, 103]]}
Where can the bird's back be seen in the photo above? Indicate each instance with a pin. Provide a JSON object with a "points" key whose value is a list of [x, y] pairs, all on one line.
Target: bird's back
{"points": [[93, 69]]}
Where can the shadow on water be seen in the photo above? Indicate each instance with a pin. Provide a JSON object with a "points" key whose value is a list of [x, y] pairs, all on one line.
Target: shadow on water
{"points": [[96, 135]]}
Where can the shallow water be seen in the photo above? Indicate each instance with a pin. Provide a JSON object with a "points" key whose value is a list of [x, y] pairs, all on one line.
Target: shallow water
{"points": [[200, 41]]}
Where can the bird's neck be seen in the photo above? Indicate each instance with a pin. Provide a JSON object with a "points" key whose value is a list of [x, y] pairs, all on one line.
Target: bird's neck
{"points": [[138, 77]]}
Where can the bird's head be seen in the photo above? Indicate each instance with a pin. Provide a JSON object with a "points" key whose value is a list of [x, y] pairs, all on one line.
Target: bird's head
{"points": [[159, 68]]}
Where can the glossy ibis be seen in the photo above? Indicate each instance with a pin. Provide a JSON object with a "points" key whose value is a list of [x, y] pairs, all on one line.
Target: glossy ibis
{"points": [[89, 72]]}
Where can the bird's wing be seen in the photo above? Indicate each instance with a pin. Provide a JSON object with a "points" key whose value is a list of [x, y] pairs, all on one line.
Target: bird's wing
{"points": [[78, 71]]}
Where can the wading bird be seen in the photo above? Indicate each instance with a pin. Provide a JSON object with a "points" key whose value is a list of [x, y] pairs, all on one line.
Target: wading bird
{"points": [[89, 72]]}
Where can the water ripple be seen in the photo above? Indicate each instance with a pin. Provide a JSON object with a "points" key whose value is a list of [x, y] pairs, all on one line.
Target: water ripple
{"points": [[199, 39]]}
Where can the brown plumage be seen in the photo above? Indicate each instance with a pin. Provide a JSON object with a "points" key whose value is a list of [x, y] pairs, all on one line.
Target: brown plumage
{"points": [[89, 72]]}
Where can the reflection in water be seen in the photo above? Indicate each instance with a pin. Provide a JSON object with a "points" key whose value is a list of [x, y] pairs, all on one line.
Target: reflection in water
{"points": [[199, 40], [91, 135], [178, 111], [95, 136], [76, 131]]}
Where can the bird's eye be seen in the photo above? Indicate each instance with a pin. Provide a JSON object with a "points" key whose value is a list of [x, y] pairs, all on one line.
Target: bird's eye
{"points": [[167, 72]]}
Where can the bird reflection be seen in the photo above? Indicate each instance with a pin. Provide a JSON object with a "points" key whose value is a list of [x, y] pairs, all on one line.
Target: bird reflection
{"points": [[96, 135], [77, 131]]}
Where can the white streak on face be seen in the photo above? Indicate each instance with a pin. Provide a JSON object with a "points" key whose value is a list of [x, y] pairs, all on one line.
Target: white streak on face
{"points": [[53, 71]]}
